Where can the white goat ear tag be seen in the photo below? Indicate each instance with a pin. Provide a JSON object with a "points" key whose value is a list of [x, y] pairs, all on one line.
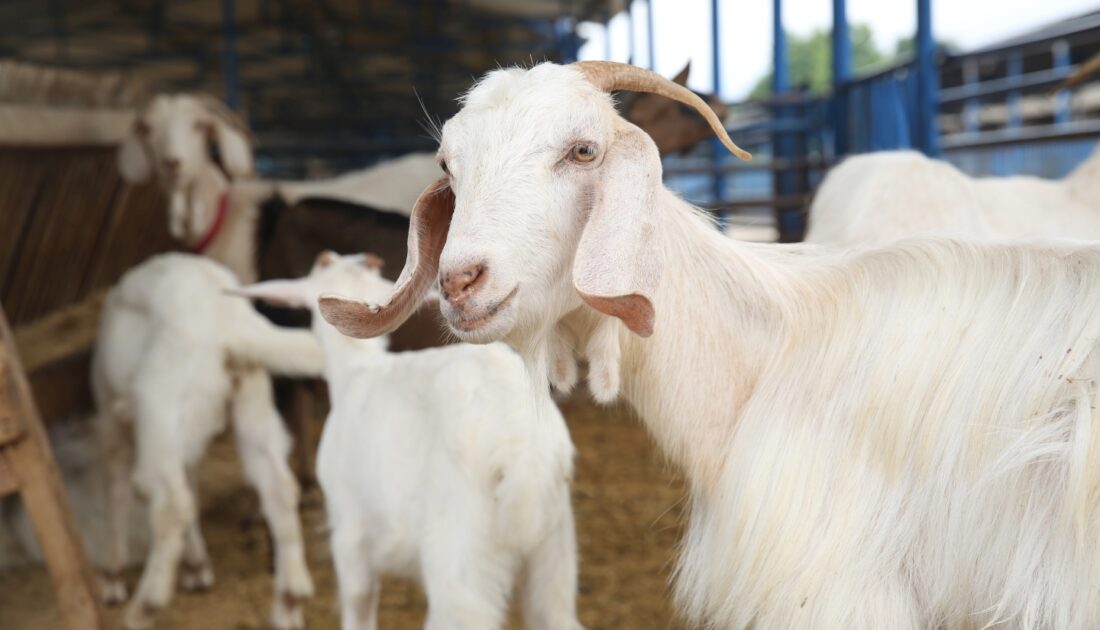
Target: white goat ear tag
{"points": [[616, 269], [563, 363]]}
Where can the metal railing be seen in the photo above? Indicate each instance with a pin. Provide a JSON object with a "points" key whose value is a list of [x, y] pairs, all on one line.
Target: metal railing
{"points": [[790, 141], [996, 111]]}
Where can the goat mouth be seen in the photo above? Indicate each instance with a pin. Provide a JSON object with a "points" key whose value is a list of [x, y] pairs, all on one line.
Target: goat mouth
{"points": [[470, 324]]}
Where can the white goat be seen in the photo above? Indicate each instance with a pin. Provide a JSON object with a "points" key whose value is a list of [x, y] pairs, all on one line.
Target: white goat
{"points": [[214, 205], [439, 464], [880, 197], [174, 359], [172, 138], [902, 437]]}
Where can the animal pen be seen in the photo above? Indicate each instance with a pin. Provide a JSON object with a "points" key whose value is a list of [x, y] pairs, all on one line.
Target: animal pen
{"points": [[71, 226], [70, 229], [992, 111], [345, 85]]}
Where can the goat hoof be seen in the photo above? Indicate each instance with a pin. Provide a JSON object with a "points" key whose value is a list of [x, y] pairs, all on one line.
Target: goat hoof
{"points": [[113, 590], [138, 616], [287, 612], [298, 585], [197, 578]]}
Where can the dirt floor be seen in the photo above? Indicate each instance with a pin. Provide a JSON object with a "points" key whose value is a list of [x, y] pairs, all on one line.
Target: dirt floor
{"points": [[628, 509]]}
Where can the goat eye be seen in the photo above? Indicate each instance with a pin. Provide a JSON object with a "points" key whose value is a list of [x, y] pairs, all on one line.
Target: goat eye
{"points": [[142, 128], [443, 165], [582, 153]]}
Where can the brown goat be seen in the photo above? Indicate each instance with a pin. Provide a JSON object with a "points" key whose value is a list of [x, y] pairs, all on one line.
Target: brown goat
{"points": [[676, 128]]}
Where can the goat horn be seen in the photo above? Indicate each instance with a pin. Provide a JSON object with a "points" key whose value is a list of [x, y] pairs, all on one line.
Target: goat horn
{"points": [[1083, 71], [612, 75]]}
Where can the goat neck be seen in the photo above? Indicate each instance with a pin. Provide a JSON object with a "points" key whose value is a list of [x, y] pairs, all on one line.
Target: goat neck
{"points": [[717, 294]]}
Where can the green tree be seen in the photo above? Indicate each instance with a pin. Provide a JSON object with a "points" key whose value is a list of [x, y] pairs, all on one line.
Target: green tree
{"points": [[810, 59], [907, 46]]}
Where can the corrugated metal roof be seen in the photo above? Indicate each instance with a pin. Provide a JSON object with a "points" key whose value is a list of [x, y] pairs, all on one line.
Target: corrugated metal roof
{"points": [[339, 80]]}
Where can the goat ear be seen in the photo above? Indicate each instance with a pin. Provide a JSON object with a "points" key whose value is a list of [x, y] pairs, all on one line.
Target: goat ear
{"points": [[234, 149], [133, 160], [615, 269], [430, 220], [682, 76], [373, 261], [288, 293], [432, 296]]}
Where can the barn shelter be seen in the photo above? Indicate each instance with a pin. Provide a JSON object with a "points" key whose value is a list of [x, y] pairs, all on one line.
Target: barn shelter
{"points": [[327, 86], [69, 227]]}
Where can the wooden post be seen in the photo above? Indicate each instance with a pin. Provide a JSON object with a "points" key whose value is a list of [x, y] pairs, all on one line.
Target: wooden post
{"points": [[27, 466]]}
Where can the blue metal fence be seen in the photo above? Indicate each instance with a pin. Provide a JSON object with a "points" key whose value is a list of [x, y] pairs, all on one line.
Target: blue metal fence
{"points": [[996, 134], [883, 111], [990, 112]]}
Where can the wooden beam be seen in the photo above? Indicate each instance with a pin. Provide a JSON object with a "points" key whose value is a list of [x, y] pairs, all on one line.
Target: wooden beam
{"points": [[29, 465], [62, 334], [9, 483]]}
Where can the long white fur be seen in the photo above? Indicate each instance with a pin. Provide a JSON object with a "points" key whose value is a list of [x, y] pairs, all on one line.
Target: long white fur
{"points": [[442, 465], [174, 361], [180, 127], [899, 437], [880, 197]]}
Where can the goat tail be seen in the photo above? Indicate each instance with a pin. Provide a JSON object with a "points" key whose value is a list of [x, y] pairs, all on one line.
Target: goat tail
{"points": [[281, 351]]}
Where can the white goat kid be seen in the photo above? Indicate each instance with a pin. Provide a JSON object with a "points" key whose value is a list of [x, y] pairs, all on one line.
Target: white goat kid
{"points": [[881, 197], [175, 358], [440, 464], [901, 438]]}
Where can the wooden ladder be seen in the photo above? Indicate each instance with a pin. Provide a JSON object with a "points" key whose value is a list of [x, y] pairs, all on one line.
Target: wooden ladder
{"points": [[27, 466]]}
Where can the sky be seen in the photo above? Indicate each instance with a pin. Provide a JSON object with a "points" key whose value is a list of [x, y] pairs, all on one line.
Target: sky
{"points": [[682, 30]]}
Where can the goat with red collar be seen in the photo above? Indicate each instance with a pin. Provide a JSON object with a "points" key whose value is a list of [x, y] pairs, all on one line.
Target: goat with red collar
{"points": [[201, 154]]}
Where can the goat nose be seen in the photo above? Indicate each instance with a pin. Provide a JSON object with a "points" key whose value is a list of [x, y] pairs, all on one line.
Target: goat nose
{"points": [[171, 164], [460, 284]]}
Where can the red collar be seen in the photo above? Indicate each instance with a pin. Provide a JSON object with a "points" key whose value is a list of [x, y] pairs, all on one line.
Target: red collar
{"points": [[215, 227]]}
